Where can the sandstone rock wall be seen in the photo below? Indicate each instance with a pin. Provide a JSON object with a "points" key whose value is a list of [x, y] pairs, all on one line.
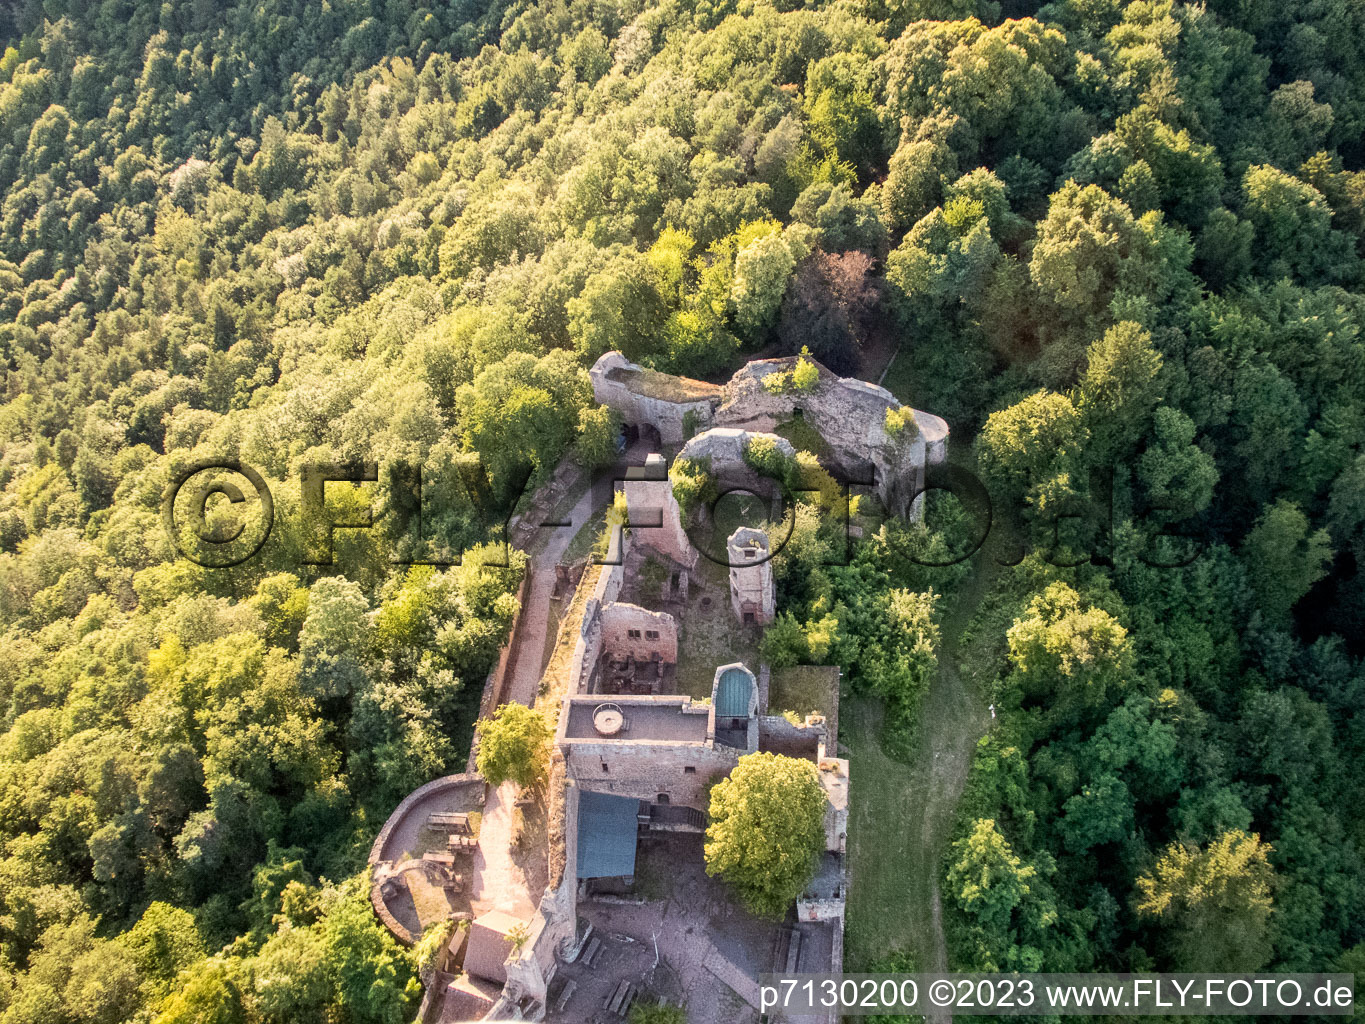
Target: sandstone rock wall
{"points": [[849, 414]]}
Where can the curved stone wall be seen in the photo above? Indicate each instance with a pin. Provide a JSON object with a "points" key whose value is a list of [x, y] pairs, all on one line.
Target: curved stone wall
{"points": [[416, 796]]}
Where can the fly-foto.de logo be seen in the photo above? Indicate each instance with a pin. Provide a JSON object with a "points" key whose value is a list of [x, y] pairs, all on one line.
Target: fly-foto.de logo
{"points": [[220, 513]]}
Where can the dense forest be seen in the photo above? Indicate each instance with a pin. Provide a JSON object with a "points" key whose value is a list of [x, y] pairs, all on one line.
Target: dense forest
{"points": [[1119, 246]]}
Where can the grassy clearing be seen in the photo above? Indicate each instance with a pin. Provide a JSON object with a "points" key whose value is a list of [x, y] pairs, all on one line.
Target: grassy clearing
{"points": [[732, 511], [711, 636], [899, 379], [801, 688], [889, 896], [586, 538], [902, 812]]}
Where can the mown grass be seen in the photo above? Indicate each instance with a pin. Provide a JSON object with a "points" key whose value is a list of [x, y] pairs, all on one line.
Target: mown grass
{"points": [[903, 808], [801, 688]]}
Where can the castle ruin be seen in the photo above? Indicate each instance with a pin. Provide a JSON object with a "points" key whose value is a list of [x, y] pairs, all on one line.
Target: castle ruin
{"points": [[864, 443]]}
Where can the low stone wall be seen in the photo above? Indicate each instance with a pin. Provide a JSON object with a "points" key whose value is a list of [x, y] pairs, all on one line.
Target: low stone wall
{"points": [[396, 928], [523, 526], [415, 797], [585, 622], [495, 686]]}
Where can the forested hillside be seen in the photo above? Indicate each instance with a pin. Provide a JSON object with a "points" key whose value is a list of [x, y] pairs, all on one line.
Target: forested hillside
{"points": [[1120, 248]]}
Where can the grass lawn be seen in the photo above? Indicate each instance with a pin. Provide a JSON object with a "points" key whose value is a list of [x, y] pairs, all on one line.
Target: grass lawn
{"points": [[889, 897], [902, 813], [801, 688], [586, 537], [711, 636], [552, 622]]}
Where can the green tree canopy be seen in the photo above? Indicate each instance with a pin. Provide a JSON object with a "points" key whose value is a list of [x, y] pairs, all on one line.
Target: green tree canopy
{"points": [[514, 746], [767, 830], [1216, 902]]}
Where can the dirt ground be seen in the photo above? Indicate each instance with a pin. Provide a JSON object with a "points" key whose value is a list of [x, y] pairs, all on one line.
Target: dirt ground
{"points": [[707, 946]]}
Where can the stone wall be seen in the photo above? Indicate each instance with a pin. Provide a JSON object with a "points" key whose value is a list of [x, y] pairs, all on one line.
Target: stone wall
{"points": [[644, 768], [495, 686], [849, 414], [778, 734], [377, 849], [655, 518], [724, 446], [620, 384], [752, 592], [831, 909], [606, 585], [851, 417], [619, 621], [530, 971]]}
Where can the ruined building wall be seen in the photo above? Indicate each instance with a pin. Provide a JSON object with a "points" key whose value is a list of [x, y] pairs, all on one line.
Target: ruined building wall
{"points": [[849, 414], [554, 926], [851, 417], [724, 446], [644, 768], [752, 591], [612, 377], [619, 621], [649, 498]]}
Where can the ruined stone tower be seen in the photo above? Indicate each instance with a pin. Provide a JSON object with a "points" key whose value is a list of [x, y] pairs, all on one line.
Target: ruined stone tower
{"points": [[655, 518], [751, 576]]}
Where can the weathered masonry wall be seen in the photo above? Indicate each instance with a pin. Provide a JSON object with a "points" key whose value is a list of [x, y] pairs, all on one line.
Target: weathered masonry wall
{"points": [[630, 629], [616, 382], [724, 446], [849, 414], [752, 592], [644, 769], [655, 518]]}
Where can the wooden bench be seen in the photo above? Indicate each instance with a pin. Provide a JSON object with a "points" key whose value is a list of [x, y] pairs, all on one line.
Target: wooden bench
{"points": [[565, 994], [618, 1002], [590, 954], [793, 952], [449, 821]]}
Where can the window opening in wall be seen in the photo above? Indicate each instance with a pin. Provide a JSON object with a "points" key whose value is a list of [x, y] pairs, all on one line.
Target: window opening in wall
{"points": [[604, 767], [651, 634], [690, 770]]}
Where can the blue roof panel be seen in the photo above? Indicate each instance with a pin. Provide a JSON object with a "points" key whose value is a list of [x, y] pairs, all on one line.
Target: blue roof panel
{"points": [[607, 827], [732, 696]]}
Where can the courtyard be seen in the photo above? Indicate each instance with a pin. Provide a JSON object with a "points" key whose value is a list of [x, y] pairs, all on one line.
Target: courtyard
{"points": [[677, 934]]}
